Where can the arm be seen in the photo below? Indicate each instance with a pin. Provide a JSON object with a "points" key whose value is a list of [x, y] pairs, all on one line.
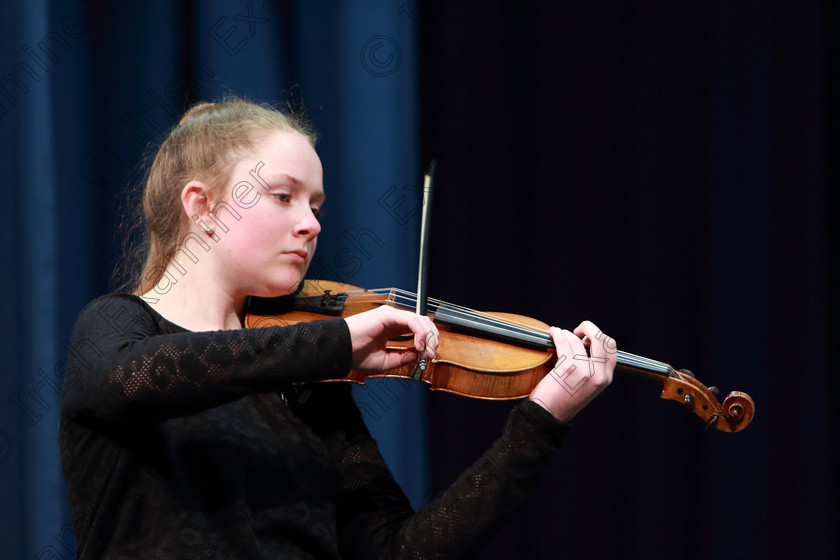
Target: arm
{"points": [[123, 368], [378, 522], [375, 519], [464, 516]]}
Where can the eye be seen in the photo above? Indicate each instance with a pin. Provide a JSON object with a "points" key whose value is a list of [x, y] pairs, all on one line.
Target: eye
{"points": [[283, 197], [318, 212]]}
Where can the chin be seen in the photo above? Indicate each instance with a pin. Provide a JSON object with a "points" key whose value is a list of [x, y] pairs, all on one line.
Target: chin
{"points": [[277, 292], [286, 288]]}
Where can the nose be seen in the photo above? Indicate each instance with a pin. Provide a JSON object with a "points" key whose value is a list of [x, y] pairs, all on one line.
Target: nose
{"points": [[308, 225]]}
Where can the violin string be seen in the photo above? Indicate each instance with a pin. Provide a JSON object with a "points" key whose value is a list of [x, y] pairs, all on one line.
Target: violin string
{"points": [[406, 299], [487, 318]]}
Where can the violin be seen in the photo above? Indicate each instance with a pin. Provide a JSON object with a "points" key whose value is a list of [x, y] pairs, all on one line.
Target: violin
{"points": [[488, 355], [483, 355]]}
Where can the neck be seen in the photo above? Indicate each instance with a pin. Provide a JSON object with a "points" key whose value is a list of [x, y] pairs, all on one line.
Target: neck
{"points": [[192, 298]]}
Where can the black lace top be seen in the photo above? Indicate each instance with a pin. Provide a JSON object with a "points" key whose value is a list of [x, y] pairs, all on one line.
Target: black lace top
{"points": [[191, 445]]}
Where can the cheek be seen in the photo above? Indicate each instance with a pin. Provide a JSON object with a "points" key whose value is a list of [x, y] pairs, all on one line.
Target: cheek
{"points": [[246, 240], [263, 230]]}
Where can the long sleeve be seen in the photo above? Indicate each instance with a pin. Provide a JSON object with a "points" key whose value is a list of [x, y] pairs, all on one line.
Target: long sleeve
{"points": [[375, 519], [459, 520], [177, 445], [122, 368]]}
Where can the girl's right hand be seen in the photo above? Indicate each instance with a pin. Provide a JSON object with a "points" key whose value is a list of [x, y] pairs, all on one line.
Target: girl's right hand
{"points": [[371, 330]]}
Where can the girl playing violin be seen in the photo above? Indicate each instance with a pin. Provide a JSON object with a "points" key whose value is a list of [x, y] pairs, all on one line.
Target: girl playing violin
{"points": [[182, 435]]}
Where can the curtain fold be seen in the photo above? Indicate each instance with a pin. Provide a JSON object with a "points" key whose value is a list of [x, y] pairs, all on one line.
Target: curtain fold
{"points": [[87, 89]]}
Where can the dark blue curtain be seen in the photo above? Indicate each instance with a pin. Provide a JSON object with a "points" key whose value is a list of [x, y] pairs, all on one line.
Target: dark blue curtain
{"points": [[665, 169], [86, 91]]}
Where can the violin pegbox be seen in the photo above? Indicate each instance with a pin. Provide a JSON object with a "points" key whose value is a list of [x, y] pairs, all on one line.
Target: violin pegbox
{"points": [[733, 415]]}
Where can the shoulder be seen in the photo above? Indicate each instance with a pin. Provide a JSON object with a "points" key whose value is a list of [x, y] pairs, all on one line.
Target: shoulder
{"points": [[115, 305], [121, 299], [118, 313]]}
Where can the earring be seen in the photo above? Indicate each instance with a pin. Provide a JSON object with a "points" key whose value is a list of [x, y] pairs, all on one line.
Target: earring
{"points": [[206, 227]]}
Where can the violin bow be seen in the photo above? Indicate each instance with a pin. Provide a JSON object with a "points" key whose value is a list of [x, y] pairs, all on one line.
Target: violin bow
{"points": [[422, 276]]}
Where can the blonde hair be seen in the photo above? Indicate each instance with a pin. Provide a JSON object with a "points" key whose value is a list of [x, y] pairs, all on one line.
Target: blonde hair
{"points": [[203, 146]]}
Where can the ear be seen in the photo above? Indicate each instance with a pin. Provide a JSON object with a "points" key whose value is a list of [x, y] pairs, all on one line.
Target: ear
{"points": [[195, 197]]}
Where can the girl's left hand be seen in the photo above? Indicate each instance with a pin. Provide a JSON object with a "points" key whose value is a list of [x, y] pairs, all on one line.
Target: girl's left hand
{"points": [[578, 377]]}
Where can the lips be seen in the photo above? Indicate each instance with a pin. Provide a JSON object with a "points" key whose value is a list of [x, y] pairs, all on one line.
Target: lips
{"points": [[300, 253]]}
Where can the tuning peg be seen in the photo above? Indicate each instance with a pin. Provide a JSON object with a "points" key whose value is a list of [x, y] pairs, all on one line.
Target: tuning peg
{"points": [[688, 401], [712, 421], [714, 391], [687, 372]]}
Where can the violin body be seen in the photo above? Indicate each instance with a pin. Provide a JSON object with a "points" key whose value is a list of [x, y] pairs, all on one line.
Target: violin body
{"points": [[465, 364]]}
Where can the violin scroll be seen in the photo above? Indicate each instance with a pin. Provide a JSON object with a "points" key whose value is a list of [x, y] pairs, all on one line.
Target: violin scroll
{"points": [[733, 415], [739, 408]]}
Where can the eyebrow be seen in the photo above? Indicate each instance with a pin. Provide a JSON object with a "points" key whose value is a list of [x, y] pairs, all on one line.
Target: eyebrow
{"points": [[294, 180], [279, 177]]}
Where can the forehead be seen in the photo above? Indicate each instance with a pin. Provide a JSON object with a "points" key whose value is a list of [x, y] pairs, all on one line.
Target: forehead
{"points": [[284, 155]]}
